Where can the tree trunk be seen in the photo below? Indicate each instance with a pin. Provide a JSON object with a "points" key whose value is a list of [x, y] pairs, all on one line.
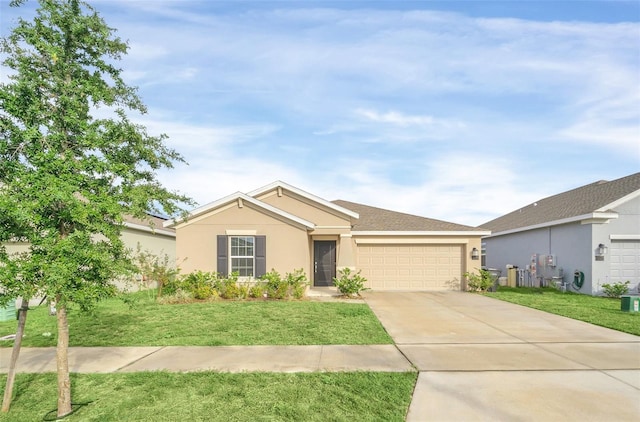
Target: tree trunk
{"points": [[17, 343], [62, 361]]}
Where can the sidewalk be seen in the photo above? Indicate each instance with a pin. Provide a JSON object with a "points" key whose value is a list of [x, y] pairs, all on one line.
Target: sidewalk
{"points": [[334, 358]]}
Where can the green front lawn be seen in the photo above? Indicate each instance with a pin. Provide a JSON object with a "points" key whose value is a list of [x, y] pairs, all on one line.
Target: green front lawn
{"points": [[220, 323], [595, 310], [164, 396], [207, 396]]}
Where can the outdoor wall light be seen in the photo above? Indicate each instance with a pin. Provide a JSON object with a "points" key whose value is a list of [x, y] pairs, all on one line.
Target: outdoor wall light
{"points": [[475, 254], [602, 249]]}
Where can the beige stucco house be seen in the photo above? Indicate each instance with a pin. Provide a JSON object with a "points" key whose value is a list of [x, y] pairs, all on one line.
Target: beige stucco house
{"points": [[285, 228]]}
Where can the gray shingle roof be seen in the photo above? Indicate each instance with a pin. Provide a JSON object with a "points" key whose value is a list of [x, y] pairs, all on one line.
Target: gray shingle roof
{"points": [[378, 219], [577, 202], [153, 221]]}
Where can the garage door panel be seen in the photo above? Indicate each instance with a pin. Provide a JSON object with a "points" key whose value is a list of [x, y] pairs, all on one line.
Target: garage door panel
{"points": [[625, 262], [410, 267]]}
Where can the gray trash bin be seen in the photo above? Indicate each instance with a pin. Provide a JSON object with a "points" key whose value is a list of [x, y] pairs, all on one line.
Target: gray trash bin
{"points": [[495, 275]]}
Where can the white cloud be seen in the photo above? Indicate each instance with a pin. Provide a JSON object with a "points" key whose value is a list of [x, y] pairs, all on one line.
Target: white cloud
{"points": [[434, 113], [395, 118], [401, 119]]}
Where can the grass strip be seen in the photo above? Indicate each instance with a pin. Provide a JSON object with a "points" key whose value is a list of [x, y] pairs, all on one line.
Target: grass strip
{"points": [[596, 310], [199, 396], [220, 323]]}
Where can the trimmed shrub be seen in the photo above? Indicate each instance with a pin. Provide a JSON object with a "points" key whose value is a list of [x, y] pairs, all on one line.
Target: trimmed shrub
{"points": [[199, 284], [297, 282], [480, 281], [292, 285], [350, 284], [228, 288], [257, 290], [616, 289]]}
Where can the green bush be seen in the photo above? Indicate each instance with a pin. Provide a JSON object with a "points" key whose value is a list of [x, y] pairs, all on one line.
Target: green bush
{"points": [[202, 285], [350, 284], [292, 285], [199, 284], [228, 288], [297, 282], [299, 291], [615, 289], [275, 287], [257, 290], [480, 281], [203, 292], [243, 291]]}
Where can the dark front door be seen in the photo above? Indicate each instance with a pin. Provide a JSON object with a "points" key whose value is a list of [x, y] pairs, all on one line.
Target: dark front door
{"points": [[324, 262]]}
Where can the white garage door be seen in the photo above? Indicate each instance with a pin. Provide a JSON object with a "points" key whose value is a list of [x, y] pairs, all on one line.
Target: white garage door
{"points": [[411, 267], [625, 262]]}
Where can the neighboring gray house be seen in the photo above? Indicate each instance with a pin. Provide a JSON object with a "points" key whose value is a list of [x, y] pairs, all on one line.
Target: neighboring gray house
{"points": [[594, 229]]}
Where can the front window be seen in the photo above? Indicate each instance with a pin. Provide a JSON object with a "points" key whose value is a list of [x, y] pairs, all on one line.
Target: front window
{"points": [[242, 255]]}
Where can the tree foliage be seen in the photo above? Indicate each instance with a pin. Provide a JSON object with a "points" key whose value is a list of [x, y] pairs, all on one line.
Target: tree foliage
{"points": [[72, 164], [68, 178]]}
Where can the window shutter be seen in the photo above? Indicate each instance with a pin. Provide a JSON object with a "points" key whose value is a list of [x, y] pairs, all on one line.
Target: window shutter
{"points": [[223, 255], [261, 256]]}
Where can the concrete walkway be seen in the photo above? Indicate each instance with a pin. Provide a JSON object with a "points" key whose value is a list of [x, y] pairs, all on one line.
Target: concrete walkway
{"points": [[380, 358], [482, 359]]}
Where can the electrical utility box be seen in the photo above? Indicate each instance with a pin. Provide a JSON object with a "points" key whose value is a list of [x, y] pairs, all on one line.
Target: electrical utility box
{"points": [[629, 303]]}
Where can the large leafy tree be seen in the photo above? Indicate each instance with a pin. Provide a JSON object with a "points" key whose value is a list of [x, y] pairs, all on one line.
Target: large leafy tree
{"points": [[72, 164]]}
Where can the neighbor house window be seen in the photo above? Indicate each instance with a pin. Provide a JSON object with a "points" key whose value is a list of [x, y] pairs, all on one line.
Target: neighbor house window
{"points": [[242, 255]]}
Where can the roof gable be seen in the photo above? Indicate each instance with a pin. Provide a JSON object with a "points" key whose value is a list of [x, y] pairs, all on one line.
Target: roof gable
{"points": [[587, 202], [374, 219], [278, 184], [239, 196]]}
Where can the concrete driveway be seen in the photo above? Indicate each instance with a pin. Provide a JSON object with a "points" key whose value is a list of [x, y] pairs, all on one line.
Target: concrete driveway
{"points": [[483, 359]]}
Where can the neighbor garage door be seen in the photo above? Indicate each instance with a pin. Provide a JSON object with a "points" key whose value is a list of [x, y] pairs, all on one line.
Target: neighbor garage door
{"points": [[625, 262], [410, 267]]}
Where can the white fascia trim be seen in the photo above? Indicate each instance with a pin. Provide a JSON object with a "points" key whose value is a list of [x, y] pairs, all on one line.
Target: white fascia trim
{"points": [[239, 195], [310, 196], [203, 209], [602, 217], [619, 202], [148, 229], [411, 241], [624, 236], [420, 233]]}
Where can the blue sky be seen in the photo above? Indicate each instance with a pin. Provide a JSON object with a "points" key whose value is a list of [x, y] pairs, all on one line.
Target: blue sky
{"points": [[460, 111]]}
